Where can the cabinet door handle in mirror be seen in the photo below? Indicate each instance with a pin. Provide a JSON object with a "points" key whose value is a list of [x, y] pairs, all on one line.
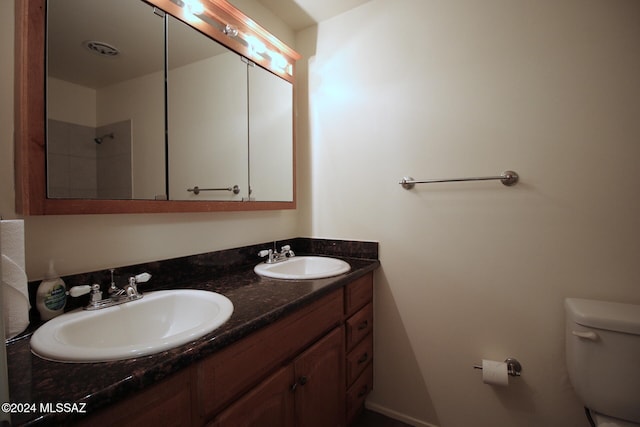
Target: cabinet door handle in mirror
{"points": [[363, 358]]}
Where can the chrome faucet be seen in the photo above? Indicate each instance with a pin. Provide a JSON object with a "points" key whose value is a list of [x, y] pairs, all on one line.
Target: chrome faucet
{"points": [[117, 295], [114, 291], [273, 257], [131, 288]]}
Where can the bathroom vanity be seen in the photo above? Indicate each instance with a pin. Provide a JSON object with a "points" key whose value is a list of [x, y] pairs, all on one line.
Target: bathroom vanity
{"points": [[293, 353], [292, 372]]}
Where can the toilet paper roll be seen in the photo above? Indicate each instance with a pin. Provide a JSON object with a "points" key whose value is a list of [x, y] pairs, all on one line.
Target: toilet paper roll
{"points": [[15, 296], [12, 238], [495, 373]]}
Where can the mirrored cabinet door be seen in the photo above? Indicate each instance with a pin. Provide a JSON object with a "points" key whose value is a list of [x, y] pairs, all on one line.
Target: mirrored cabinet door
{"points": [[105, 100], [270, 136], [207, 118]]}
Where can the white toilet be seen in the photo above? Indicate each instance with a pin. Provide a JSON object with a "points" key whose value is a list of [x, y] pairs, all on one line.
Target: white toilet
{"points": [[603, 359]]}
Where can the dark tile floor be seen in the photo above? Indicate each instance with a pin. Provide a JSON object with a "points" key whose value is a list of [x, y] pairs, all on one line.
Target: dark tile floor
{"points": [[374, 419]]}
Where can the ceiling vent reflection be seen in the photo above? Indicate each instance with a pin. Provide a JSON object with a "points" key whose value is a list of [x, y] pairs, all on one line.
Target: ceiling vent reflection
{"points": [[101, 48]]}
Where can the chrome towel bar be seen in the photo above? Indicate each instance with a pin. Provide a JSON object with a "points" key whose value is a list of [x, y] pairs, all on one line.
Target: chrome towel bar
{"points": [[196, 190], [508, 178]]}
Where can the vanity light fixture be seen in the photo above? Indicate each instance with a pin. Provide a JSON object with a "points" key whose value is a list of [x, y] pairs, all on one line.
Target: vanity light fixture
{"points": [[256, 49]]}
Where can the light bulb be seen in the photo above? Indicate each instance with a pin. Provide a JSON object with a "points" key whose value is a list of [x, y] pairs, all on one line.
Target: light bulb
{"points": [[194, 7], [255, 45], [278, 61], [230, 30]]}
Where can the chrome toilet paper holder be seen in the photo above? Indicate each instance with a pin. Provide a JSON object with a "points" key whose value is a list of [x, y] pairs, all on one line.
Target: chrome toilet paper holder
{"points": [[514, 368]]}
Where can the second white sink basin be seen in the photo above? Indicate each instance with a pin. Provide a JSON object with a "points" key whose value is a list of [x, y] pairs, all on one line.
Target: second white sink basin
{"points": [[159, 321], [303, 267]]}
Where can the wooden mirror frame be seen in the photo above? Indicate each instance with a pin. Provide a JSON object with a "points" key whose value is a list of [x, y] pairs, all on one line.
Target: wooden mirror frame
{"points": [[29, 112]]}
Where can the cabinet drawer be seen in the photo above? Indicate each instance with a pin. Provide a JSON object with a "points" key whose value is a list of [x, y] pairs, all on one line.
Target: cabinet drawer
{"points": [[357, 393], [359, 358], [358, 293], [236, 368], [359, 326]]}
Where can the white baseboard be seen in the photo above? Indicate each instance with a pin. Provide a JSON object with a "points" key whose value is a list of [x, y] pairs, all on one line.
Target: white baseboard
{"points": [[397, 415]]}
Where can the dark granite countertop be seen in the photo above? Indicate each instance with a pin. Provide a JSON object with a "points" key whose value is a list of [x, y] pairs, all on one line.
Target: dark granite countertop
{"points": [[258, 301]]}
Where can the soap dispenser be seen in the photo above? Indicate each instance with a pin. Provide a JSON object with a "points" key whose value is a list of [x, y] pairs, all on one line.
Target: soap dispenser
{"points": [[51, 296]]}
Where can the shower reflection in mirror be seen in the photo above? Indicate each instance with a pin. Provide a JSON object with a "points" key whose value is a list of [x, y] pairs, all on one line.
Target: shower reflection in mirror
{"points": [[88, 162], [99, 139]]}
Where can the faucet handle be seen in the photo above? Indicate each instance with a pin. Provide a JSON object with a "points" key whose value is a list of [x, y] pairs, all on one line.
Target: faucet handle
{"points": [[263, 253], [96, 293], [286, 251], [132, 289], [77, 291], [142, 277]]}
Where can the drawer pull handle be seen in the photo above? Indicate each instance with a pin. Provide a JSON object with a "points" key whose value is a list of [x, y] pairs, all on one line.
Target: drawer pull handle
{"points": [[363, 325], [363, 391], [363, 358]]}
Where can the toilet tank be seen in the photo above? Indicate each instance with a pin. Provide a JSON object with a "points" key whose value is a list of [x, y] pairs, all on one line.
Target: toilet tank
{"points": [[603, 355]]}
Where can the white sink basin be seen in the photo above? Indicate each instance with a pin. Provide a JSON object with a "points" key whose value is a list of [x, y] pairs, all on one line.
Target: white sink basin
{"points": [[303, 267], [159, 321]]}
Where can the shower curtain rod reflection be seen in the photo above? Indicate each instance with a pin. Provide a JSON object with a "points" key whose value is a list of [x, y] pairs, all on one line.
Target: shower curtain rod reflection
{"points": [[507, 178]]}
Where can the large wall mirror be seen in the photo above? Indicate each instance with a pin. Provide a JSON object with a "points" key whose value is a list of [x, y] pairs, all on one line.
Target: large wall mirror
{"points": [[151, 107]]}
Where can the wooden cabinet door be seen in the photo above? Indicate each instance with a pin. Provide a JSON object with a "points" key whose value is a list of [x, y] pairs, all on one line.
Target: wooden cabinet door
{"points": [[167, 403], [232, 372], [320, 394], [270, 403]]}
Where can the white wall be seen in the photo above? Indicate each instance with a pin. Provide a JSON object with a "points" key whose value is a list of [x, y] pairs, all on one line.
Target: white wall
{"points": [[266, 19], [478, 270], [71, 103]]}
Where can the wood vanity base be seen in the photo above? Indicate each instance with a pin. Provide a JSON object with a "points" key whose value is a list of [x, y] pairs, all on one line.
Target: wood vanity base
{"points": [[311, 368]]}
